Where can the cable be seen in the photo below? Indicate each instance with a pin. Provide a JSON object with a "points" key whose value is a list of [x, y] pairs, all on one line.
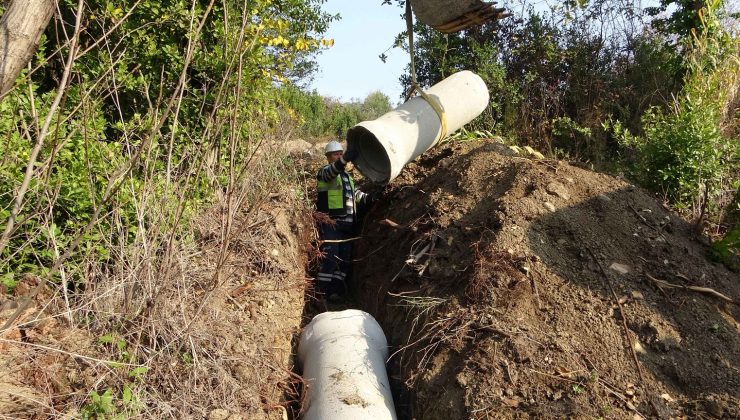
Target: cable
{"points": [[433, 102]]}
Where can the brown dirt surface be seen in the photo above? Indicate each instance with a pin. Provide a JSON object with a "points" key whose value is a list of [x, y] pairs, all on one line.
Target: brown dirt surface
{"points": [[43, 361], [518, 288], [216, 338]]}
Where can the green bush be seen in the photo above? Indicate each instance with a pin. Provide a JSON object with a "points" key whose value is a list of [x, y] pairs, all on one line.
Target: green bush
{"points": [[143, 135], [318, 116], [683, 151]]}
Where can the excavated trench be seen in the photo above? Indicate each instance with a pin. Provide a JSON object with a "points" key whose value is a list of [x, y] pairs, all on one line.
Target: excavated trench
{"points": [[512, 288], [354, 300]]}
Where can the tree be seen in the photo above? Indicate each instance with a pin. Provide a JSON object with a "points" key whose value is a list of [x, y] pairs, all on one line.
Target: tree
{"points": [[20, 31], [376, 104]]}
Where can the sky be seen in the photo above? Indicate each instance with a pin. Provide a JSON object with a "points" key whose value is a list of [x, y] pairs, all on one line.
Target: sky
{"points": [[351, 69]]}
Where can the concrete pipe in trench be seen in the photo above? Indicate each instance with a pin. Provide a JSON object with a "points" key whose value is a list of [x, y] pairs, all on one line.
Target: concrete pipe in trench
{"points": [[343, 358]]}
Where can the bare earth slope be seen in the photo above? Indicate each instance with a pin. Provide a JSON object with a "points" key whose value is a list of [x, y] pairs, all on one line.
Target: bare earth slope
{"points": [[516, 288]]}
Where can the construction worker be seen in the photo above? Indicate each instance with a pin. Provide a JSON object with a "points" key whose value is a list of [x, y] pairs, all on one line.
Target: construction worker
{"points": [[340, 200]]}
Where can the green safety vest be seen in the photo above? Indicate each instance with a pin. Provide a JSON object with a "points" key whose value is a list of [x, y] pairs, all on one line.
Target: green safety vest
{"points": [[331, 196]]}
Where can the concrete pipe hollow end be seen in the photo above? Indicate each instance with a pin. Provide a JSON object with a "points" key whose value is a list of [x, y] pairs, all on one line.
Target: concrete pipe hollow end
{"points": [[372, 161]]}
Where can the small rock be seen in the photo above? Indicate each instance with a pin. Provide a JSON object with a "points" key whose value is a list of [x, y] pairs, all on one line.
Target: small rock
{"points": [[561, 241], [275, 253], [558, 189], [603, 198], [218, 414], [549, 206], [620, 268], [639, 348], [637, 295]]}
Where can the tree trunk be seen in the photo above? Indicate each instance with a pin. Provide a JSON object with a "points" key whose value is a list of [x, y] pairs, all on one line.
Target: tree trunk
{"points": [[20, 30]]}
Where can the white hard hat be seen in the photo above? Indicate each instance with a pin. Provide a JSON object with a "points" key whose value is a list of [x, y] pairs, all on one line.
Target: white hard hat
{"points": [[333, 146]]}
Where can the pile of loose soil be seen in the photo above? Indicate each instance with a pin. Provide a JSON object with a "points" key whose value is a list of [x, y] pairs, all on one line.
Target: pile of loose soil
{"points": [[516, 288]]}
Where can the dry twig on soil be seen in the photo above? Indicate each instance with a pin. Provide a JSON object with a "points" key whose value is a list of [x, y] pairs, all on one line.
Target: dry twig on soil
{"points": [[705, 290], [627, 331], [648, 224]]}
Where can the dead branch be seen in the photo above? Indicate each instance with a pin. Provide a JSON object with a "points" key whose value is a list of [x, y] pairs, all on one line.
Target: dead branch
{"points": [[705, 290], [338, 241], [391, 223], [627, 332], [648, 224]]}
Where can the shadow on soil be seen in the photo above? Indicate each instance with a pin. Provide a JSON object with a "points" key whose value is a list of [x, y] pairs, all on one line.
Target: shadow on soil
{"points": [[688, 341], [511, 312]]}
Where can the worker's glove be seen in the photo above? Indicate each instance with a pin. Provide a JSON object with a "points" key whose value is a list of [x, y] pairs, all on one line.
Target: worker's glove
{"points": [[351, 154], [374, 197], [339, 165]]}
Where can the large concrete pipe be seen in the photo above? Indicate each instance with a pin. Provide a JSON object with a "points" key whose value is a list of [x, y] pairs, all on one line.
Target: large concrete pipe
{"points": [[343, 357], [455, 15], [388, 143]]}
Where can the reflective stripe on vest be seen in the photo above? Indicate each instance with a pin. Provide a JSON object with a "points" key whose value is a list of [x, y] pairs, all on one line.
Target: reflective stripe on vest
{"points": [[331, 196]]}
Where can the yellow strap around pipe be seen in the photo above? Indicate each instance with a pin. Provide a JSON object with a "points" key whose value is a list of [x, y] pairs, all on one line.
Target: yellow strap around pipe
{"points": [[433, 102]]}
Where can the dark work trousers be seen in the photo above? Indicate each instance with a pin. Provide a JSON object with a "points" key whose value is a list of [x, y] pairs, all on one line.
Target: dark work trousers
{"points": [[336, 265]]}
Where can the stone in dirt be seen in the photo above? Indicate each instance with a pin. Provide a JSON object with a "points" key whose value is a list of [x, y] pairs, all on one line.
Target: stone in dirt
{"points": [[620, 268], [558, 189]]}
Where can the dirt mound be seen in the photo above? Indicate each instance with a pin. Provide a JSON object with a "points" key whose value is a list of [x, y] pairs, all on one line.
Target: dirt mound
{"points": [[514, 288]]}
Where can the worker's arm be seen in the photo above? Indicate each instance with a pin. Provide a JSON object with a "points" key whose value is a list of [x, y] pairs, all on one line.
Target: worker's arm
{"points": [[361, 197], [330, 171], [367, 198]]}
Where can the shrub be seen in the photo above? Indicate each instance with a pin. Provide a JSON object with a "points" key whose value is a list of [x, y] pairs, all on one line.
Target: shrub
{"points": [[683, 151]]}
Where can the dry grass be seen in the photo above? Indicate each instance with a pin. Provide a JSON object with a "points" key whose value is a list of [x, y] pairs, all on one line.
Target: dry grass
{"points": [[205, 347], [209, 331]]}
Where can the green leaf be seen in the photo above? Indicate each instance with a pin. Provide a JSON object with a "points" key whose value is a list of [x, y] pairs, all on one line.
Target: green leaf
{"points": [[106, 339], [136, 373], [127, 394]]}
